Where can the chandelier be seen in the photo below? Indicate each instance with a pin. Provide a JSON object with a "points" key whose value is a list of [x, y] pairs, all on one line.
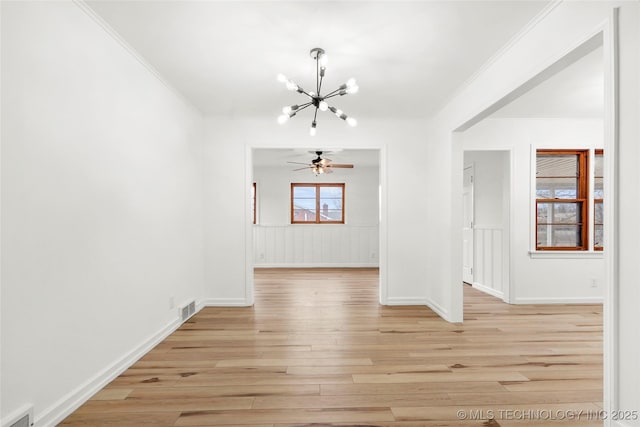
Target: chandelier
{"points": [[316, 100]]}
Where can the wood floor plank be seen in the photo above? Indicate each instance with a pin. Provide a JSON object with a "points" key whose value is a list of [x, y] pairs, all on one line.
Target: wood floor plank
{"points": [[316, 416], [438, 377], [166, 405], [318, 349], [251, 390], [112, 394]]}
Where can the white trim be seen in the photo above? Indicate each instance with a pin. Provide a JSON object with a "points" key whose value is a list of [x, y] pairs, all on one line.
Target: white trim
{"points": [[488, 290], [455, 300], [510, 238], [405, 301], [382, 263], [473, 226], [319, 265], [438, 309], [566, 254], [225, 302], [558, 300], [57, 412], [611, 265], [249, 262], [383, 215], [501, 52], [618, 423]]}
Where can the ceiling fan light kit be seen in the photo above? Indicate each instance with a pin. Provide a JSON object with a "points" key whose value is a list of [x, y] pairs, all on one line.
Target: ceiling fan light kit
{"points": [[319, 165], [316, 100]]}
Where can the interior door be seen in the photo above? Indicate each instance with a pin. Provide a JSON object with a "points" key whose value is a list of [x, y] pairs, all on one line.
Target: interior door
{"points": [[467, 226]]}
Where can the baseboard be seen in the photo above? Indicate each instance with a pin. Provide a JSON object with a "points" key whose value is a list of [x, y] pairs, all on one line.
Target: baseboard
{"points": [[620, 424], [558, 300], [319, 265], [488, 290], [73, 400], [405, 301], [224, 302], [438, 309]]}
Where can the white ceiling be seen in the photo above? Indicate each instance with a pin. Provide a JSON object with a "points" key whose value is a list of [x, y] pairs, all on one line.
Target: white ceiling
{"points": [[576, 91], [409, 57]]}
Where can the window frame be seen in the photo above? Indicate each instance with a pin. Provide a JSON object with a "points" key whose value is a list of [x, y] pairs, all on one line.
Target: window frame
{"points": [[254, 199], [317, 209], [597, 152], [583, 193]]}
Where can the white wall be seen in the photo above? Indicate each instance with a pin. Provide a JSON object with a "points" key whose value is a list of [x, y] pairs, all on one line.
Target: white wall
{"points": [[404, 204], [626, 314], [277, 242], [565, 26], [558, 277], [102, 211], [559, 30], [491, 220]]}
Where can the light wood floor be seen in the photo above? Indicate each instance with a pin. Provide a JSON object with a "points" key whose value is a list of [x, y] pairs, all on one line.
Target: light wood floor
{"points": [[318, 349]]}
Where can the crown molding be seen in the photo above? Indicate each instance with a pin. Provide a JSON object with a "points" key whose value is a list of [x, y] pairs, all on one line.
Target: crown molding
{"points": [[82, 4]]}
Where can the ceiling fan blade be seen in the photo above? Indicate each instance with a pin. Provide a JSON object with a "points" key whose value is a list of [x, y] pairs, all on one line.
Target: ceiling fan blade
{"points": [[299, 163], [301, 169], [326, 170], [338, 165]]}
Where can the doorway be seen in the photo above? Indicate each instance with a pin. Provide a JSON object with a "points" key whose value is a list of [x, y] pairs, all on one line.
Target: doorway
{"points": [[275, 242], [468, 249]]}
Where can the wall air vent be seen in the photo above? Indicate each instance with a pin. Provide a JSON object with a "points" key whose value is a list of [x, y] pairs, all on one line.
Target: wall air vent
{"points": [[23, 418], [187, 310]]}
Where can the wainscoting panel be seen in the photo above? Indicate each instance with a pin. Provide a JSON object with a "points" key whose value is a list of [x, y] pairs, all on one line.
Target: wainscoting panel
{"points": [[489, 260], [315, 246]]}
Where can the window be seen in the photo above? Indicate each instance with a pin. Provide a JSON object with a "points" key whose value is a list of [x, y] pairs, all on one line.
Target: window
{"points": [[598, 198], [317, 203], [253, 201], [563, 195]]}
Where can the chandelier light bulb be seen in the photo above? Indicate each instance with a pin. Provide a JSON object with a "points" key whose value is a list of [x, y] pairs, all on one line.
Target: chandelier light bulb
{"points": [[282, 78], [282, 119], [353, 89], [352, 122], [351, 82], [324, 59], [312, 131], [291, 85], [323, 106], [286, 110]]}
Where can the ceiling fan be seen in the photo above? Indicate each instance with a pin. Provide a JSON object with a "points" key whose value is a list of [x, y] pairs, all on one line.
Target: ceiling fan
{"points": [[320, 165]]}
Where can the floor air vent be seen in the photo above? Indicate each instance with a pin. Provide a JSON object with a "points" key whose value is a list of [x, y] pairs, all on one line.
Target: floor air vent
{"points": [[187, 310]]}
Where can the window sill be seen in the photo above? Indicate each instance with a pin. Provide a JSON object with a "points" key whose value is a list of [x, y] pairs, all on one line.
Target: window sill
{"points": [[566, 254]]}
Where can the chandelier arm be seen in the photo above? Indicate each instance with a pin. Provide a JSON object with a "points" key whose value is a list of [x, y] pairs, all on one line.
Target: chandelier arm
{"points": [[315, 115], [318, 78], [330, 96], [306, 93], [320, 85], [303, 106], [332, 93]]}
